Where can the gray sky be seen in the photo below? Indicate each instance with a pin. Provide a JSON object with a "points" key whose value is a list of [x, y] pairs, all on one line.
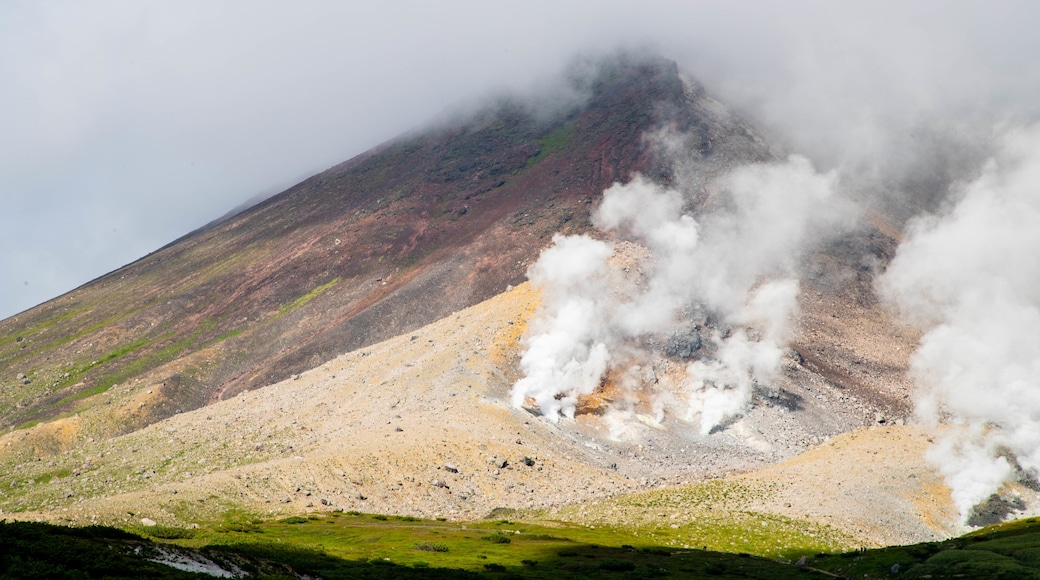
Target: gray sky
{"points": [[124, 125]]}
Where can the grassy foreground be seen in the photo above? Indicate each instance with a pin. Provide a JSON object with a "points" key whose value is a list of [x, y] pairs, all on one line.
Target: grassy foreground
{"points": [[352, 545]]}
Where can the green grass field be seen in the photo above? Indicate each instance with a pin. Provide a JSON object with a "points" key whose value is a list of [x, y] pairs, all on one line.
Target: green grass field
{"points": [[353, 545]]}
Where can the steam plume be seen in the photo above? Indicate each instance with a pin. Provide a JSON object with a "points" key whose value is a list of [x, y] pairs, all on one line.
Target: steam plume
{"points": [[972, 277], [730, 275]]}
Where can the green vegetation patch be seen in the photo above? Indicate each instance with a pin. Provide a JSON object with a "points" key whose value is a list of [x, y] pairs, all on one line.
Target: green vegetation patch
{"points": [[327, 545], [349, 545], [355, 545], [713, 515], [303, 300], [1009, 550], [558, 140]]}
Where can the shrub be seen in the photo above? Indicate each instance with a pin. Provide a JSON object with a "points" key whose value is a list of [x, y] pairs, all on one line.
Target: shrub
{"points": [[430, 547], [498, 538], [243, 528]]}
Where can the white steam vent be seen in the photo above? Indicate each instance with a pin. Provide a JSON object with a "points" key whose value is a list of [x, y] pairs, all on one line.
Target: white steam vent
{"points": [[971, 277], [724, 285]]}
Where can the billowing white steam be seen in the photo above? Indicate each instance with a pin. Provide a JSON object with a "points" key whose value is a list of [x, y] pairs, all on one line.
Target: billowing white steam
{"points": [[972, 276], [736, 263], [568, 354]]}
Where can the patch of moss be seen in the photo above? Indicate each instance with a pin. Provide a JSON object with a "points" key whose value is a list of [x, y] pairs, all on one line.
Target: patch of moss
{"points": [[303, 300], [558, 140]]}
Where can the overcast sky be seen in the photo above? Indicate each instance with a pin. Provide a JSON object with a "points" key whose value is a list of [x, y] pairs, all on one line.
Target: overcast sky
{"points": [[124, 125]]}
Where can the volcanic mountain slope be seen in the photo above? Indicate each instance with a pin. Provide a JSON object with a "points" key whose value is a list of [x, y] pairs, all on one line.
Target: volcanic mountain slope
{"points": [[421, 425], [418, 425], [379, 245]]}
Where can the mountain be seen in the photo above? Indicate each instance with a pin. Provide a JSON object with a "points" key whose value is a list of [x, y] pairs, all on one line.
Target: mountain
{"points": [[351, 344], [384, 243]]}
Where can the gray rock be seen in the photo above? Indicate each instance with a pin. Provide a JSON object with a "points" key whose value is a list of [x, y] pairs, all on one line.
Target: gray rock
{"points": [[451, 468], [683, 343]]}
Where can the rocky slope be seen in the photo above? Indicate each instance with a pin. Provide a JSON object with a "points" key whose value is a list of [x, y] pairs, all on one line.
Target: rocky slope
{"points": [[420, 425], [382, 244]]}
